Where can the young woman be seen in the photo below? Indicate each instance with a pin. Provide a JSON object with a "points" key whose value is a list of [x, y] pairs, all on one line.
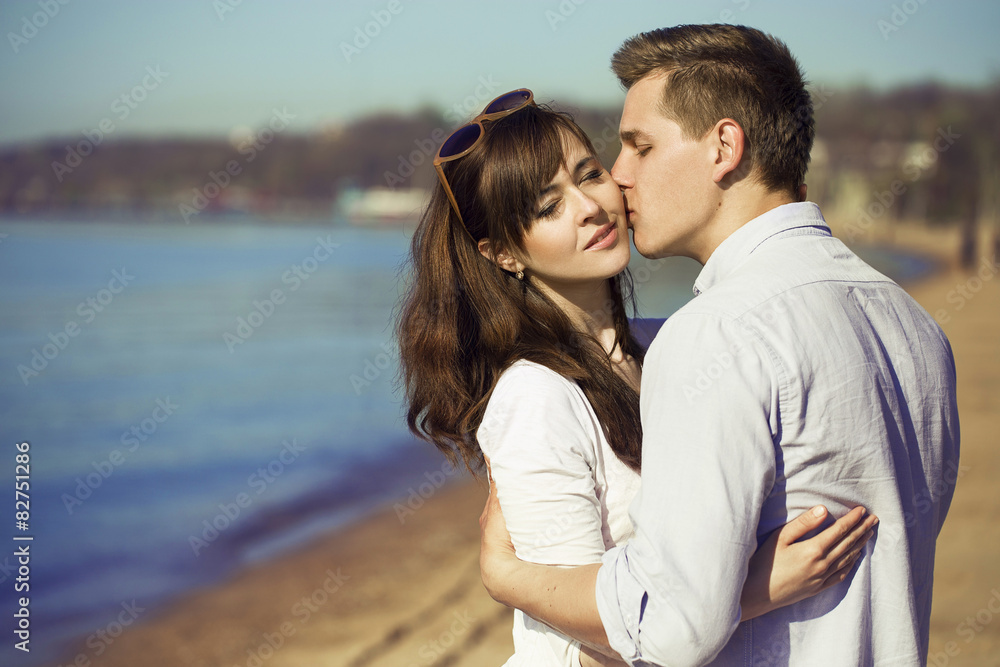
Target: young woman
{"points": [[516, 346]]}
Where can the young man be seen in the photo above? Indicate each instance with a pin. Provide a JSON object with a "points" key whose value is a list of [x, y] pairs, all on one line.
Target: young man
{"points": [[797, 376]]}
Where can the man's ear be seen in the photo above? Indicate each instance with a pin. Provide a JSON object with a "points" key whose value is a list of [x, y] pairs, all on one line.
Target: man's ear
{"points": [[803, 189], [501, 258], [728, 142]]}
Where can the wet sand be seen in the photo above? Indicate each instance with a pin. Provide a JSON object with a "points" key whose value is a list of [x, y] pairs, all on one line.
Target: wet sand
{"points": [[403, 589]]}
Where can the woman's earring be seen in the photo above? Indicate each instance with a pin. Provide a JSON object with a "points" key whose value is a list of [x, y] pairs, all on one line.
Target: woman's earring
{"points": [[520, 275]]}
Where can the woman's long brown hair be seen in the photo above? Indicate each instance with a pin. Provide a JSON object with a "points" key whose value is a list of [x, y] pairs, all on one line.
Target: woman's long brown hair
{"points": [[464, 320]]}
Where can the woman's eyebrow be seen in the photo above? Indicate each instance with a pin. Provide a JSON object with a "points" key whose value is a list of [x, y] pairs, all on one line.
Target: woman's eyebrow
{"points": [[583, 163], [547, 189], [576, 170]]}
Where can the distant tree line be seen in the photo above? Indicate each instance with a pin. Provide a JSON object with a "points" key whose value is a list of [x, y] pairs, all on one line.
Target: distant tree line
{"points": [[877, 136]]}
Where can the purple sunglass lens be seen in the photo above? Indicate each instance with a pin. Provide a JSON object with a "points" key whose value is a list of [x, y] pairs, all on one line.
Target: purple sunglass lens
{"points": [[461, 140], [508, 101]]}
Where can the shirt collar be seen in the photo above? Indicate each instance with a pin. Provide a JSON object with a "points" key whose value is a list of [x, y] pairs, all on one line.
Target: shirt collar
{"points": [[738, 246]]}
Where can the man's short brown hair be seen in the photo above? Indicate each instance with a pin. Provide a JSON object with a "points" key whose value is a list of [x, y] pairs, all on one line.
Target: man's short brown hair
{"points": [[730, 71]]}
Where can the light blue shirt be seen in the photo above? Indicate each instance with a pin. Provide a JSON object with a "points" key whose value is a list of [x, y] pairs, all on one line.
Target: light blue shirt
{"points": [[798, 376]]}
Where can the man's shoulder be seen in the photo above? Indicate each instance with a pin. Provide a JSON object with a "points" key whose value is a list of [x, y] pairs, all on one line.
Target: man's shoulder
{"points": [[784, 266]]}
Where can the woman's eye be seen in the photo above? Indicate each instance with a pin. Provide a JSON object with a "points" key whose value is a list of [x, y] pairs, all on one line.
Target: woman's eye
{"points": [[549, 210], [594, 175]]}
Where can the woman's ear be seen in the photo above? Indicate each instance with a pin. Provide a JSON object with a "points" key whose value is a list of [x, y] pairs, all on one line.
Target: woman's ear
{"points": [[501, 258]]}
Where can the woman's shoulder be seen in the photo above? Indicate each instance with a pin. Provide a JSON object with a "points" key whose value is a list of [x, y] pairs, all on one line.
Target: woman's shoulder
{"points": [[530, 392], [536, 414], [528, 382], [536, 383], [532, 374]]}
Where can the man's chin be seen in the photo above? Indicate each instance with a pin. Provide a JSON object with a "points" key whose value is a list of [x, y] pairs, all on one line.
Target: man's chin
{"points": [[647, 251]]}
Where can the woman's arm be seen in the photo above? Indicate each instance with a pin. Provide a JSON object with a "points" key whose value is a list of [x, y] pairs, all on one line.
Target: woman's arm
{"points": [[542, 455], [781, 572]]}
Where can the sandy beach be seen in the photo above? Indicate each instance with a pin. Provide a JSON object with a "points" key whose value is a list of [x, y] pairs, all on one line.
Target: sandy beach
{"points": [[402, 588], [965, 619]]}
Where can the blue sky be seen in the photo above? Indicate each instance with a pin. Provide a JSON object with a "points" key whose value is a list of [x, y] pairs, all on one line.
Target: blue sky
{"points": [[226, 64]]}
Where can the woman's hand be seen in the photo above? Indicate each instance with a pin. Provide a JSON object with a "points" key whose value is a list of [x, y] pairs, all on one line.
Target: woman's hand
{"points": [[784, 571]]}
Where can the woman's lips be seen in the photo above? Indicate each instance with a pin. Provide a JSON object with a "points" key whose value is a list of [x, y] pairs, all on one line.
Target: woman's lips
{"points": [[604, 238]]}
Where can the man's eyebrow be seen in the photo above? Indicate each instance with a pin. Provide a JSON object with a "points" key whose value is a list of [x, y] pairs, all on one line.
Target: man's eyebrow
{"points": [[630, 136]]}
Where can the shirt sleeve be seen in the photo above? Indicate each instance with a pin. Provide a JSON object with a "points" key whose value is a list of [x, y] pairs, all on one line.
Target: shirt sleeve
{"points": [[541, 440], [709, 410]]}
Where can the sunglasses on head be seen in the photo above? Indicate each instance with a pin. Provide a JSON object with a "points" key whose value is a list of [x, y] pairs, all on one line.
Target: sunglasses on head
{"points": [[461, 142]]}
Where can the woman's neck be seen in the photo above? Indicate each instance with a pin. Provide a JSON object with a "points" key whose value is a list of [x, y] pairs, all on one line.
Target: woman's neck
{"points": [[588, 307]]}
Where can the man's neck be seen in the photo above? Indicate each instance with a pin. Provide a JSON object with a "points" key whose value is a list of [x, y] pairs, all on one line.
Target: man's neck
{"points": [[735, 211]]}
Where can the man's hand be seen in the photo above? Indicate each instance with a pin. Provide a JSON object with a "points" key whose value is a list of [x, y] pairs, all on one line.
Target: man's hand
{"points": [[592, 658], [498, 561], [560, 597]]}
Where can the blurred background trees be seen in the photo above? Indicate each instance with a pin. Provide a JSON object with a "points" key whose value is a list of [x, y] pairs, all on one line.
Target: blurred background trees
{"points": [[927, 152]]}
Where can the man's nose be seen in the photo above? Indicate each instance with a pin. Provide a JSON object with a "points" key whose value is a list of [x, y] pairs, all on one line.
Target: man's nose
{"points": [[619, 173]]}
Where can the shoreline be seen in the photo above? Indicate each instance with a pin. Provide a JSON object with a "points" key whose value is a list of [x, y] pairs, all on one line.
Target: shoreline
{"points": [[397, 486], [325, 601], [404, 590]]}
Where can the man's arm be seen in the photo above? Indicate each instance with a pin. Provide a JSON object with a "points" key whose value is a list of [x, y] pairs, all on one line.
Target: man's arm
{"points": [[560, 597], [708, 464], [710, 414], [541, 447]]}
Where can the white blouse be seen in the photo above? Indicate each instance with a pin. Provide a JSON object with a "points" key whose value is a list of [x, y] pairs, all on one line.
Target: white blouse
{"points": [[564, 493]]}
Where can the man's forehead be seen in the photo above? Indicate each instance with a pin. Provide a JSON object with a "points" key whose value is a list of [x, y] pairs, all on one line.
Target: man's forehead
{"points": [[638, 121], [642, 101], [643, 115], [647, 90]]}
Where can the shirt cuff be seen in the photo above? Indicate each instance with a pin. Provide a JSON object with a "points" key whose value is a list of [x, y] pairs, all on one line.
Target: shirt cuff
{"points": [[620, 601]]}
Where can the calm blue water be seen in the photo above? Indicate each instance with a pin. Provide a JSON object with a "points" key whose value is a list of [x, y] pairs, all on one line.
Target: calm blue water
{"points": [[152, 411], [112, 510]]}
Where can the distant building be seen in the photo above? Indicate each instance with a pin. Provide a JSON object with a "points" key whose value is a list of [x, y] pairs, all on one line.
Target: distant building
{"points": [[382, 205]]}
